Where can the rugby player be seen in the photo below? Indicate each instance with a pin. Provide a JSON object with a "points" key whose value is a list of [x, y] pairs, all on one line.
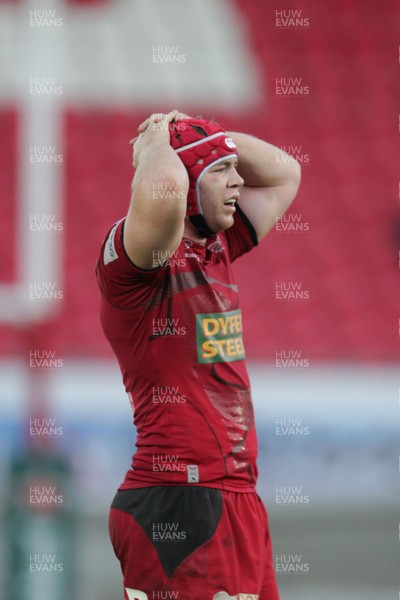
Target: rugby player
{"points": [[187, 522]]}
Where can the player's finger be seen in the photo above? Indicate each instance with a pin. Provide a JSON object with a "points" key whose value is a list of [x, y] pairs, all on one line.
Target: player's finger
{"points": [[154, 118], [180, 116], [157, 118], [143, 125], [171, 115]]}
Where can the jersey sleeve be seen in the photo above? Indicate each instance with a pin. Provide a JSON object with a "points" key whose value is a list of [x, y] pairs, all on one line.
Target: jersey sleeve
{"points": [[121, 282], [241, 237]]}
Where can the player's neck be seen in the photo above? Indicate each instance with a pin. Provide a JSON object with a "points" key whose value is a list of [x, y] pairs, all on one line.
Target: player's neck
{"points": [[190, 233]]}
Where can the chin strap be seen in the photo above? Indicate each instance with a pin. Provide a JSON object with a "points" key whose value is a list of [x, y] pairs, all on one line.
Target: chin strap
{"points": [[199, 222]]}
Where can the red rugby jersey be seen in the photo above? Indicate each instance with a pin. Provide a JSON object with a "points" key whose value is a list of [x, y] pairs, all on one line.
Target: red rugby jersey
{"points": [[177, 334]]}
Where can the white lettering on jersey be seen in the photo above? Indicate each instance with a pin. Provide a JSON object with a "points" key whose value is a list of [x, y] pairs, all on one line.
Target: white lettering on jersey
{"points": [[110, 253], [136, 594]]}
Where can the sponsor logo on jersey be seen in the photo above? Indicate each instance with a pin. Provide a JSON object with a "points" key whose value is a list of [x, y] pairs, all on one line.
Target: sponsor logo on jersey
{"points": [[110, 253], [216, 246], [219, 337]]}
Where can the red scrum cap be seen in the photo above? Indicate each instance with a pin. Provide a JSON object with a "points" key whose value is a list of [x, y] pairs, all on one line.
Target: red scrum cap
{"points": [[200, 144]]}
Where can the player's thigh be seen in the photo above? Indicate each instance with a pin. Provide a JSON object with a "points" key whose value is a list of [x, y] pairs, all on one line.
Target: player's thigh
{"points": [[241, 551], [160, 535]]}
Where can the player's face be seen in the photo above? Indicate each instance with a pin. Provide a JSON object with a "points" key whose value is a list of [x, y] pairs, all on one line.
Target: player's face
{"points": [[219, 193]]}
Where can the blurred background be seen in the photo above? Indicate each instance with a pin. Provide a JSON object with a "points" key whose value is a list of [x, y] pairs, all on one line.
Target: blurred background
{"points": [[320, 296]]}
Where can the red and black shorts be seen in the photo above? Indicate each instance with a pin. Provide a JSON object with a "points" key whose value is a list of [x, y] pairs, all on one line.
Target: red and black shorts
{"points": [[192, 543]]}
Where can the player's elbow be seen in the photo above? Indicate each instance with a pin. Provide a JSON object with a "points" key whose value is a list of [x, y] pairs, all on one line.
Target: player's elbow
{"points": [[171, 186], [288, 191], [293, 182], [295, 173]]}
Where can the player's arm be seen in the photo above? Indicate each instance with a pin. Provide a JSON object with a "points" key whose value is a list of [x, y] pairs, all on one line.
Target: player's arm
{"points": [[271, 178], [155, 220]]}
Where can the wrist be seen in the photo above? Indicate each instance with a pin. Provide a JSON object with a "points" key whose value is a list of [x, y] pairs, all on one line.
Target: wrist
{"points": [[151, 147]]}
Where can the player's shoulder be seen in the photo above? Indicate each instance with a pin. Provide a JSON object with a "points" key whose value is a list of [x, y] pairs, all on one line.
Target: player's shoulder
{"points": [[122, 283]]}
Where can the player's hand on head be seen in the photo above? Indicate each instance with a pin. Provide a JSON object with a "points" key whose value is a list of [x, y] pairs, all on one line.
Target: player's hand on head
{"points": [[180, 115], [156, 119], [174, 115], [154, 129]]}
